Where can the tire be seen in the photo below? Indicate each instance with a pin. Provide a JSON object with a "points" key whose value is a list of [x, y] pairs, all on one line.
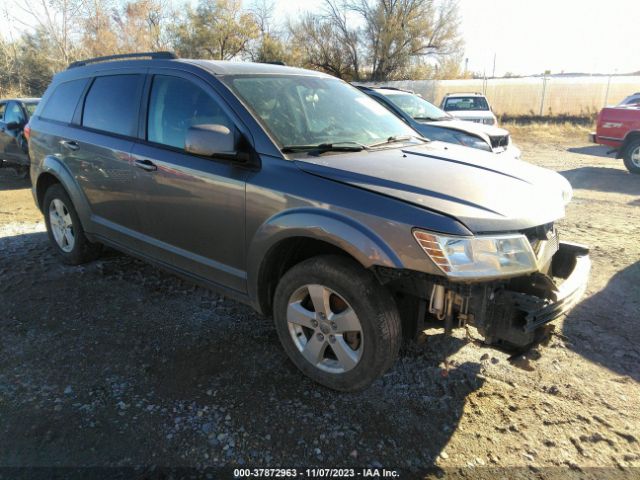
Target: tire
{"points": [[631, 156], [349, 359], [60, 214]]}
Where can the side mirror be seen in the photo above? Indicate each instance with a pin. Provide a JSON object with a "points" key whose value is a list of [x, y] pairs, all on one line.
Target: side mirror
{"points": [[213, 141], [13, 125]]}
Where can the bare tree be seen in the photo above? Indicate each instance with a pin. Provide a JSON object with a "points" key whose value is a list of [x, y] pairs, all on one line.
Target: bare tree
{"points": [[218, 29], [57, 19], [395, 31], [321, 47]]}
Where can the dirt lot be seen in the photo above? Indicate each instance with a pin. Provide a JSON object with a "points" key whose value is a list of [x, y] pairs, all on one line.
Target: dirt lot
{"points": [[117, 364]]}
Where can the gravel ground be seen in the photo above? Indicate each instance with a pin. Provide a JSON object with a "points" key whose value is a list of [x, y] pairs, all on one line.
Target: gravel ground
{"points": [[118, 364]]}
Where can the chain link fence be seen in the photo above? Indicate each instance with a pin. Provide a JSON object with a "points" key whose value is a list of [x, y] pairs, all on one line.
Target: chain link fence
{"points": [[581, 96]]}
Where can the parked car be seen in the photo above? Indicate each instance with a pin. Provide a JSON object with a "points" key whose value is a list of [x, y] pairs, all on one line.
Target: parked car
{"points": [[436, 124], [619, 128], [14, 115], [471, 107], [631, 100], [298, 194]]}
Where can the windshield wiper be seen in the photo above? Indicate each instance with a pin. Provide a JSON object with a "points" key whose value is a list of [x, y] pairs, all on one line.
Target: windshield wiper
{"points": [[398, 138], [346, 146], [431, 119]]}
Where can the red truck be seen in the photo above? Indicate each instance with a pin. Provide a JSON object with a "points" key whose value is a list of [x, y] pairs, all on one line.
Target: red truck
{"points": [[619, 128]]}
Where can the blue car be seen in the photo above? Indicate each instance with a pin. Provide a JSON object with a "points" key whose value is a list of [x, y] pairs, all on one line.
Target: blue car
{"points": [[436, 124]]}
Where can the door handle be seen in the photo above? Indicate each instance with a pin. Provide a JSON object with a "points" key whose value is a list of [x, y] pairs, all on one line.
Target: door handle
{"points": [[146, 165], [71, 145]]}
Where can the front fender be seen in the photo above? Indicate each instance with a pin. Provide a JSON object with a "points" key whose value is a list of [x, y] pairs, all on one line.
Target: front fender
{"points": [[53, 166], [339, 230]]}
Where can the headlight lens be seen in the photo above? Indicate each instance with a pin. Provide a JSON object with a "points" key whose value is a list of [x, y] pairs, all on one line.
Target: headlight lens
{"points": [[488, 121], [473, 142], [479, 257]]}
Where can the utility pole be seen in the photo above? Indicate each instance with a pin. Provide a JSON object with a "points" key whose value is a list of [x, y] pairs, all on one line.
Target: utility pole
{"points": [[493, 75], [606, 95], [544, 89]]}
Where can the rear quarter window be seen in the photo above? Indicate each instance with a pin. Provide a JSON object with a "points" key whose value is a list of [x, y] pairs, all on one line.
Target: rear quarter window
{"points": [[112, 104], [63, 101]]}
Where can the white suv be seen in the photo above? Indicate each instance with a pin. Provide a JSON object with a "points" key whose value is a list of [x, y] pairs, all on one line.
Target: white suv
{"points": [[472, 107]]}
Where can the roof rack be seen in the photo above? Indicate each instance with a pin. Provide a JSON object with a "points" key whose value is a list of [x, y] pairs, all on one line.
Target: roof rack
{"points": [[462, 93], [388, 87], [152, 55]]}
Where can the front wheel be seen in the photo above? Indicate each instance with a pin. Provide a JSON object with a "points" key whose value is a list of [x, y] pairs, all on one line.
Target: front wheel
{"points": [[338, 325], [631, 156]]}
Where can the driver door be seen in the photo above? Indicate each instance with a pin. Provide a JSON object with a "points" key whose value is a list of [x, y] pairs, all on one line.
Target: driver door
{"points": [[192, 208]]}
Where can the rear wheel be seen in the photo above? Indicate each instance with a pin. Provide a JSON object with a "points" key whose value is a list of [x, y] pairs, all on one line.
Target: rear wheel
{"points": [[338, 325], [631, 156], [64, 229]]}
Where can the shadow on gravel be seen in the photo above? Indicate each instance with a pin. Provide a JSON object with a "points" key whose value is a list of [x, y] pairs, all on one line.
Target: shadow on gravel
{"points": [[593, 150], [603, 179], [604, 327], [9, 180], [117, 363]]}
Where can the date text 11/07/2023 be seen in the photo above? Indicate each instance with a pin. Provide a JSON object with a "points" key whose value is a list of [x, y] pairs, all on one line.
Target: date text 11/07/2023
{"points": [[315, 473]]}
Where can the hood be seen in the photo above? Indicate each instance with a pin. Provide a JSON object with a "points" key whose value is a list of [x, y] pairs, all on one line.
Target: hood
{"points": [[484, 193], [479, 129], [471, 113]]}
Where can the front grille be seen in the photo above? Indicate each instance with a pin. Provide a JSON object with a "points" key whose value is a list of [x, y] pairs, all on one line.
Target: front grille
{"points": [[500, 141]]}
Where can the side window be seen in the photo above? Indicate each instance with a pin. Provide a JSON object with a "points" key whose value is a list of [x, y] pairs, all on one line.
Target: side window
{"points": [[112, 104], [14, 113], [2, 107], [175, 105], [64, 100]]}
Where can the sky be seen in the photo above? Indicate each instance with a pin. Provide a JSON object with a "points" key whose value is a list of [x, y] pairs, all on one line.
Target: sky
{"points": [[530, 36]]}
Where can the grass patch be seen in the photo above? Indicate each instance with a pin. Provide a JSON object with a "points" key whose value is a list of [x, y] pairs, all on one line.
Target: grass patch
{"points": [[546, 131]]}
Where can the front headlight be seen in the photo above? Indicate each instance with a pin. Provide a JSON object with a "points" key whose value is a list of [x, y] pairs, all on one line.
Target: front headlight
{"points": [[478, 257], [488, 121], [473, 142]]}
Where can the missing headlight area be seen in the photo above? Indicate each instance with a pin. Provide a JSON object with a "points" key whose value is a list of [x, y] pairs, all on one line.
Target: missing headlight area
{"points": [[509, 313]]}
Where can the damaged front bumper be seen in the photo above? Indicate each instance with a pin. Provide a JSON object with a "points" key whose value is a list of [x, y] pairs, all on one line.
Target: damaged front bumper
{"points": [[510, 312], [517, 311]]}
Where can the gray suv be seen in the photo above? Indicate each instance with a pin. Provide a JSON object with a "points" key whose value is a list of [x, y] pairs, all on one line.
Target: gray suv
{"points": [[296, 193]]}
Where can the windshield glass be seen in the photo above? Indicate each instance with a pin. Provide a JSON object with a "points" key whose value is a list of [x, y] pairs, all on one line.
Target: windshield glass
{"points": [[415, 106], [30, 107], [466, 103], [301, 110]]}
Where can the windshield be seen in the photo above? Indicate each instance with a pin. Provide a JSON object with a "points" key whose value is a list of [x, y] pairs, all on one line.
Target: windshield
{"points": [[415, 106], [30, 107], [301, 110], [466, 103]]}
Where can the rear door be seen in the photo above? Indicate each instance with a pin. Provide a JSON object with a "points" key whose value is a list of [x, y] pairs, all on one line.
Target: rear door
{"points": [[97, 150], [4, 138], [14, 145], [191, 207]]}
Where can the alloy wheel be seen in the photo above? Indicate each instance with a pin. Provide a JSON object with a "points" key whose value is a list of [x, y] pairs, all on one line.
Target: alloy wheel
{"points": [[635, 156], [325, 329], [61, 225]]}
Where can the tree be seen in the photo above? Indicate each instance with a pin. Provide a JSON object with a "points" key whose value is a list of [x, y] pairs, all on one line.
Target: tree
{"points": [[393, 38], [397, 31], [217, 29], [320, 46], [270, 45]]}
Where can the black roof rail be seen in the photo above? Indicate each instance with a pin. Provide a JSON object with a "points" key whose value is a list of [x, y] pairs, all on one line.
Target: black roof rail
{"points": [[123, 56], [276, 62], [388, 87]]}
